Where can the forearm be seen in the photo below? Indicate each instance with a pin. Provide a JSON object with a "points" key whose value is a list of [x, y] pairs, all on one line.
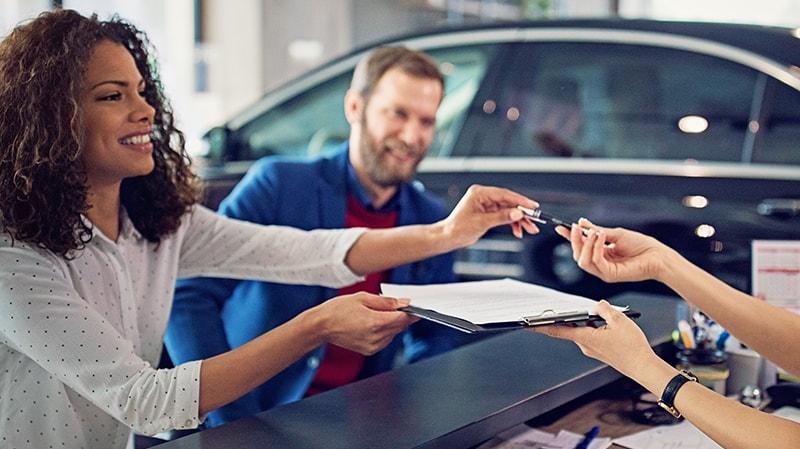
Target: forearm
{"points": [[733, 425], [729, 423], [763, 327], [382, 249], [226, 377]]}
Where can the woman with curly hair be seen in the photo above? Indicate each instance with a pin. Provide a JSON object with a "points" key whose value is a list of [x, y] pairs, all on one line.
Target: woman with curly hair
{"points": [[99, 217]]}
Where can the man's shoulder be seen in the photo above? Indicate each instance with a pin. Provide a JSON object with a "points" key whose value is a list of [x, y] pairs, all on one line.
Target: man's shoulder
{"points": [[294, 166]]}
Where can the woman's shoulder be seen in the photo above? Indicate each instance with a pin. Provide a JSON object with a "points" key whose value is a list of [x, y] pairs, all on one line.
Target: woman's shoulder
{"points": [[18, 252]]}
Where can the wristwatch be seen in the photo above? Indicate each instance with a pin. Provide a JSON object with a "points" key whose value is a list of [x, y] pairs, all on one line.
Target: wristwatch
{"points": [[668, 396]]}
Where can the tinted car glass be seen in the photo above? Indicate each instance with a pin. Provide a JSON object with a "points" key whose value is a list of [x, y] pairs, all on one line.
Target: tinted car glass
{"points": [[778, 141], [615, 101], [314, 121], [308, 123], [464, 68]]}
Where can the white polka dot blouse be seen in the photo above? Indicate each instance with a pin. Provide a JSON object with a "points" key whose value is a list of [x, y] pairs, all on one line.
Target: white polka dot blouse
{"points": [[79, 338]]}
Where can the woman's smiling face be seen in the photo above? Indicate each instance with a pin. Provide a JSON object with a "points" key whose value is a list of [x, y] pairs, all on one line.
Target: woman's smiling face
{"points": [[118, 121]]}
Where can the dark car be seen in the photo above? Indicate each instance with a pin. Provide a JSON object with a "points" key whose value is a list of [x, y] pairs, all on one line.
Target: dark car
{"points": [[686, 131]]}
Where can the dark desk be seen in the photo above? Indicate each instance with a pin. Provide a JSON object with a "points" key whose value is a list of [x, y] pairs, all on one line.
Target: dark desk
{"points": [[455, 400], [609, 408]]}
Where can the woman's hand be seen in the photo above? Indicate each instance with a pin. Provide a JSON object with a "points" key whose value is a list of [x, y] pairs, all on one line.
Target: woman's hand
{"points": [[632, 257], [362, 322], [483, 208], [620, 343]]}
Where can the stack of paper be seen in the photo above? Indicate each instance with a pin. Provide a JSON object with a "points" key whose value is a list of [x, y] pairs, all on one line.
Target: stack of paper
{"points": [[488, 305]]}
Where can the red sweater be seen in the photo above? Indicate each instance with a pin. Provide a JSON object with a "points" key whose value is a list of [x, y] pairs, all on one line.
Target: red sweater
{"points": [[341, 366]]}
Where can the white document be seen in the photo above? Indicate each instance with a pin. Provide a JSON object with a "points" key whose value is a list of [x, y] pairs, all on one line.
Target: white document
{"points": [[683, 435], [791, 413], [524, 437], [495, 301]]}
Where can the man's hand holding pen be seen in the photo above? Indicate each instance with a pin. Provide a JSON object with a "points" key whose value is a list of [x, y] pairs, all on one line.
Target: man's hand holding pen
{"points": [[483, 208]]}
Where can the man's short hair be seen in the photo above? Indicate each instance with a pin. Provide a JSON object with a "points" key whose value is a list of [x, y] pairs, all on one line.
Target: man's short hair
{"points": [[376, 63]]}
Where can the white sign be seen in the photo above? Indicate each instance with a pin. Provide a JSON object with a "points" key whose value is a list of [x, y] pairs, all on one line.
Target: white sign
{"points": [[776, 272]]}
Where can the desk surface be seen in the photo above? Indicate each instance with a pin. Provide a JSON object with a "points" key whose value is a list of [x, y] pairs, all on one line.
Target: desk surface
{"points": [[455, 400], [608, 408]]}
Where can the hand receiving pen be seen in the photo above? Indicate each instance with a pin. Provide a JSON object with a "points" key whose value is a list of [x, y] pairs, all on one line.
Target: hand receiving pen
{"points": [[541, 217]]}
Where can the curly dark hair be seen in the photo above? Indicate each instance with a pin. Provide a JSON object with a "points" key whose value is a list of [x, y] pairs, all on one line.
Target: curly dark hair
{"points": [[43, 183]]}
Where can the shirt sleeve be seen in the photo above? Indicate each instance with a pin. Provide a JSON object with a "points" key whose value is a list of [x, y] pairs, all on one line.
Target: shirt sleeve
{"points": [[43, 317], [218, 246]]}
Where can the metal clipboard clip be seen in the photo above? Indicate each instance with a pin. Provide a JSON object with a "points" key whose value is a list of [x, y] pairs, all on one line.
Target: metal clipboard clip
{"points": [[550, 316]]}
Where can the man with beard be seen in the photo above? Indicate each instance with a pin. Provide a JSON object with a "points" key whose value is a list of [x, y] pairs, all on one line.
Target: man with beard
{"points": [[391, 107]]}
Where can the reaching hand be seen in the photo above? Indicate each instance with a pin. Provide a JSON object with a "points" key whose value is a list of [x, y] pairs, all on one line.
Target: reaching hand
{"points": [[633, 256], [620, 343], [363, 322], [483, 208]]}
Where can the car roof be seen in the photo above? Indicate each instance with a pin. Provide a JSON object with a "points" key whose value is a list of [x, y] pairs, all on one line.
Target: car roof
{"points": [[774, 42], [778, 44]]}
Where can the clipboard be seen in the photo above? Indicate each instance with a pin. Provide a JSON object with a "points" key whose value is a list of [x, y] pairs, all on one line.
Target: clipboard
{"points": [[543, 319], [496, 305]]}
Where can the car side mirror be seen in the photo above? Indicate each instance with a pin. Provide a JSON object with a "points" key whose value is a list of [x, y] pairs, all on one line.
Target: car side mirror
{"points": [[217, 141]]}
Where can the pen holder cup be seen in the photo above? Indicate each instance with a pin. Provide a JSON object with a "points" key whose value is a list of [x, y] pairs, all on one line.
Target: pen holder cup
{"points": [[709, 365], [746, 369]]}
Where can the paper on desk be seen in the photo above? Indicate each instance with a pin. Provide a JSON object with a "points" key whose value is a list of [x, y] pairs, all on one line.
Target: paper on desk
{"points": [[792, 413], [494, 301], [683, 435], [524, 437]]}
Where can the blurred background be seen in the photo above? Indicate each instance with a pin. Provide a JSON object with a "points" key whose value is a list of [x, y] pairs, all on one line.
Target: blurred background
{"points": [[219, 56]]}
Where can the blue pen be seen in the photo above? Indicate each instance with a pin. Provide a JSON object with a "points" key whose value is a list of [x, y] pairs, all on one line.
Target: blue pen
{"points": [[588, 437]]}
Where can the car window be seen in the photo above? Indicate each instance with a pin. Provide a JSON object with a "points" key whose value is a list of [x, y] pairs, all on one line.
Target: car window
{"points": [[617, 101], [464, 69], [307, 123], [314, 121], [779, 139]]}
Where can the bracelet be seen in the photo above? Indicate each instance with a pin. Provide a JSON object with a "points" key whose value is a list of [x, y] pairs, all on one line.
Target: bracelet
{"points": [[668, 397]]}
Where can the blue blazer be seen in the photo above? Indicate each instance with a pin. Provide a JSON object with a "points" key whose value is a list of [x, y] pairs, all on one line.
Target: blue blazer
{"points": [[211, 316]]}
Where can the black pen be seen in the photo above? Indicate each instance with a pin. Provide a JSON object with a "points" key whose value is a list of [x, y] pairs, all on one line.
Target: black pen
{"points": [[541, 217]]}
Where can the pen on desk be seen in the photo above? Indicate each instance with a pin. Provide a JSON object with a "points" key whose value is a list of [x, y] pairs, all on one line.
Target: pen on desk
{"points": [[588, 437], [541, 217]]}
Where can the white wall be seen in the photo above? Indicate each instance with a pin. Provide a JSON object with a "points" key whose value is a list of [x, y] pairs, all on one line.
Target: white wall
{"points": [[14, 11], [765, 12]]}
